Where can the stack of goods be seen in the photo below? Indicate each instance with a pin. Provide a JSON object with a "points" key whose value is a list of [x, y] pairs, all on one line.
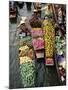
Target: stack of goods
{"points": [[49, 37], [26, 51], [61, 56], [26, 57], [60, 41], [27, 65], [38, 42]]}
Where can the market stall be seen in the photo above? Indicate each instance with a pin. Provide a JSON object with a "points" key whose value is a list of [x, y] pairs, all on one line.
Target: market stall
{"points": [[42, 44]]}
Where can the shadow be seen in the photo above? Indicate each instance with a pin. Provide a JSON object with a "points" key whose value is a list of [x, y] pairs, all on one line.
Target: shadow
{"points": [[28, 5]]}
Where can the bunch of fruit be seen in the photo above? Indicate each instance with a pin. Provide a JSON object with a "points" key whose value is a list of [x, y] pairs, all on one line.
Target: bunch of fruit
{"points": [[49, 38], [26, 51]]}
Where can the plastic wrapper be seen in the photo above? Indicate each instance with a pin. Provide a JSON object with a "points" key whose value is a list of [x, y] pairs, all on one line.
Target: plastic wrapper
{"points": [[36, 32], [49, 61], [38, 43]]}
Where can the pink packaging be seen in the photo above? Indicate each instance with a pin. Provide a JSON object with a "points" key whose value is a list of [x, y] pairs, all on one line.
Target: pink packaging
{"points": [[37, 32], [49, 61], [38, 43]]}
